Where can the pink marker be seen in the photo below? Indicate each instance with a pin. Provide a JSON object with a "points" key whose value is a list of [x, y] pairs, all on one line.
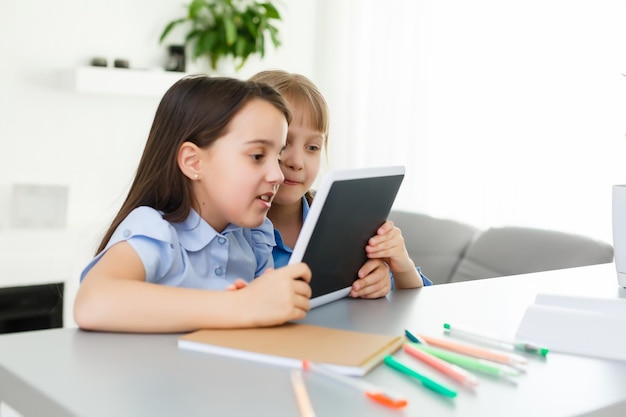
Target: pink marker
{"points": [[475, 351], [460, 375]]}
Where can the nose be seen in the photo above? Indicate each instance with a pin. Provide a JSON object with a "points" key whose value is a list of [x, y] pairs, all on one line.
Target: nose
{"points": [[275, 174], [292, 158]]}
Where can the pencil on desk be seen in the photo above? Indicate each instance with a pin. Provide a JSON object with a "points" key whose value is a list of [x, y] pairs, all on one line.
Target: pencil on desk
{"points": [[302, 395]]}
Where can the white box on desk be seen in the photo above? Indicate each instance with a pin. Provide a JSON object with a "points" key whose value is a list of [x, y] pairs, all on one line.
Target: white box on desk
{"points": [[619, 232]]}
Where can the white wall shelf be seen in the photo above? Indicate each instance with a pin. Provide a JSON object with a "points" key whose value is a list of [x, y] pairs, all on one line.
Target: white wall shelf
{"points": [[147, 83]]}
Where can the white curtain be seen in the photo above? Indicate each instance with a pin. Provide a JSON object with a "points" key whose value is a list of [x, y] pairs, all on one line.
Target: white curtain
{"points": [[504, 112]]}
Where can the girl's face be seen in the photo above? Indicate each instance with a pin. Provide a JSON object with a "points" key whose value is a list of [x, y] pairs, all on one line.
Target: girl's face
{"points": [[300, 160], [239, 172]]}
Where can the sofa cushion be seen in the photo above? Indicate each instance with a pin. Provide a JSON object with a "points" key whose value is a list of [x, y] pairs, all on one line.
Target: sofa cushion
{"points": [[436, 245], [517, 250]]}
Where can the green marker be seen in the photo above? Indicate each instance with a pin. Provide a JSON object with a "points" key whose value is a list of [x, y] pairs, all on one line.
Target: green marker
{"points": [[467, 362], [427, 382]]}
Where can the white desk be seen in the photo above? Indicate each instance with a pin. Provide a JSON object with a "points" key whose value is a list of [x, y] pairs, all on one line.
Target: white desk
{"points": [[65, 372]]}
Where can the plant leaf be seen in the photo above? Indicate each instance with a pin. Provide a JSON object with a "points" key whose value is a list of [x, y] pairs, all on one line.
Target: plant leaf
{"points": [[240, 46], [230, 30], [274, 35], [191, 35], [170, 26], [270, 11], [251, 26], [207, 43], [195, 8]]}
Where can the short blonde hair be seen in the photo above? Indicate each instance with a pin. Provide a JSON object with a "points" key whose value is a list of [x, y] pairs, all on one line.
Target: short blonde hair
{"points": [[300, 92]]}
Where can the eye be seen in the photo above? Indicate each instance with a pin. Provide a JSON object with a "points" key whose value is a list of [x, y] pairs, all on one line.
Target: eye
{"points": [[313, 148], [257, 156]]}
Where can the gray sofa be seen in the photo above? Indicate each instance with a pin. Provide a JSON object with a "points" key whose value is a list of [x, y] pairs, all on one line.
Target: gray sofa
{"points": [[452, 251]]}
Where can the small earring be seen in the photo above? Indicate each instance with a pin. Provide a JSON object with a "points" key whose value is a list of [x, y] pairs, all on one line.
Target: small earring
{"points": [[197, 177]]}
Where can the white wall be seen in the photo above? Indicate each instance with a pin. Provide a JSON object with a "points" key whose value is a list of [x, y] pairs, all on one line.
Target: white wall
{"points": [[505, 113], [50, 134]]}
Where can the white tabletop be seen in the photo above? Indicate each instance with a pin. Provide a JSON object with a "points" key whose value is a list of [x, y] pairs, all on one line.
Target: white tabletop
{"points": [[64, 372]]}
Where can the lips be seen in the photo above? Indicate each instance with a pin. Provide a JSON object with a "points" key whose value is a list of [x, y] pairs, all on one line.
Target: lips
{"points": [[291, 182], [266, 199]]}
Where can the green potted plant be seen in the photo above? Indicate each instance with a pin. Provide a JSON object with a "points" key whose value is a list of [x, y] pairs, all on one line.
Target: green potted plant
{"points": [[221, 28]]}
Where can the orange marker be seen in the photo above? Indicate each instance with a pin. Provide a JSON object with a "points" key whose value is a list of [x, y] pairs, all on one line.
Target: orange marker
{"points": [[371, 391]]}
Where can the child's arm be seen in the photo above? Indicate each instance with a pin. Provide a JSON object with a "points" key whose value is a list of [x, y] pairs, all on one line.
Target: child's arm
{"points": [[114, 296]]}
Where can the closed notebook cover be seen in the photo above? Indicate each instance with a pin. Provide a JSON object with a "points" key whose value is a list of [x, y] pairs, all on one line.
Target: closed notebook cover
{"points": [[347, 352]]}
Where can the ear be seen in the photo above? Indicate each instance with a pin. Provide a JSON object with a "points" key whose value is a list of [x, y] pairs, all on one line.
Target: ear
{"points": [[189, 160]]}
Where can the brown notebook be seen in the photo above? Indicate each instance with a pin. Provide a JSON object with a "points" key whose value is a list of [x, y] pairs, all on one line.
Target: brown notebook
{"points": [[347, 352]]}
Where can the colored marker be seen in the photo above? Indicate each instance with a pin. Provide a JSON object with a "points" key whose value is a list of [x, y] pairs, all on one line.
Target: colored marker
{"points": [[493, 341], [414, 338], [427, 382], [477, 352], [381, 396], [468, 362], [460, 375], [302, 395]]}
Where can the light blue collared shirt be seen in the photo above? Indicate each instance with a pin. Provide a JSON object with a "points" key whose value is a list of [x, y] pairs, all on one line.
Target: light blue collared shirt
{"points": [[192, 254], [282, 252]]}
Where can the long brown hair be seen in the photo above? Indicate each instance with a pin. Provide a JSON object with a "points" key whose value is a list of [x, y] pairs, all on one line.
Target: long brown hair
{"points": [[196, 109], [302, 93]]}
